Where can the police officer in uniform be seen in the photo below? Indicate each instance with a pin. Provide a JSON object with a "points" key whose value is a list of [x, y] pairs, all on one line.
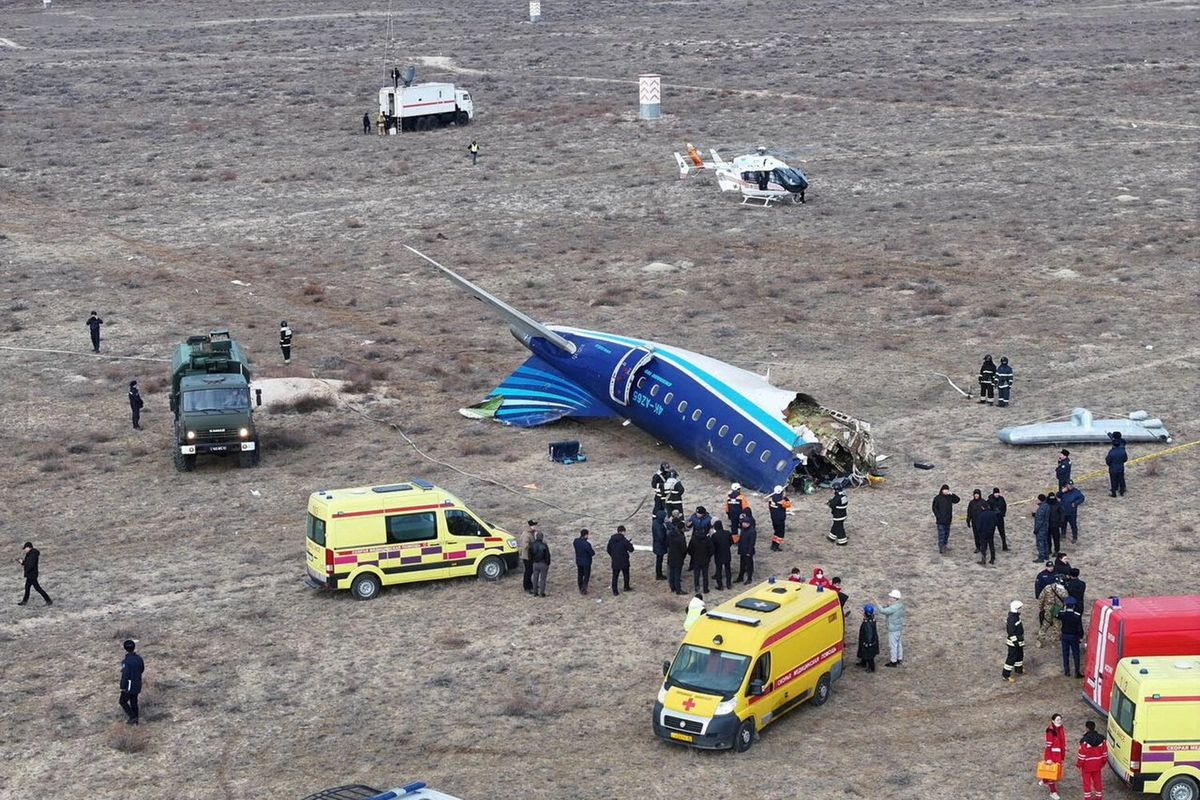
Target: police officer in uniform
{"points": [[778, 504], [837, 508], [1115, 460], [987, 380], [135, 405], [285, 341], [94, 322], [1004, 382], [1015, 630], [1062, 470]]}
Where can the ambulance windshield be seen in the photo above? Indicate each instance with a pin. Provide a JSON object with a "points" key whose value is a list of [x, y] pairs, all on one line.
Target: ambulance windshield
{"points": [[706, 670]]}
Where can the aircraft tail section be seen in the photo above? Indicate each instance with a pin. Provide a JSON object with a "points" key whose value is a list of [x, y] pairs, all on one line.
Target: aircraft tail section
{"points": [[534, 394]]}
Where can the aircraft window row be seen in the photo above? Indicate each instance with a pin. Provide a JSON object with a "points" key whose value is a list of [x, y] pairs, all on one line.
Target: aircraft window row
{"points": [[668, 397], [654, 390], [712, 421], [682, 406], [696, 415], [724, 429], [641, 381], [737, 439], [779, 465], [766, 456], [750, 448]]}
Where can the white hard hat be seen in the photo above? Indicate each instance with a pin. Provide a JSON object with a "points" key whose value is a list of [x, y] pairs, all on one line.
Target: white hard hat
{"points": [[735, 486], [894, 594], [1015, 606], [778, 490]]}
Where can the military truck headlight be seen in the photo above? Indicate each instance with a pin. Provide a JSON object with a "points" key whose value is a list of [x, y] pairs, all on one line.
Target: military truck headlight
{"points": [[191, 435], [244, 432], [725, 707]]}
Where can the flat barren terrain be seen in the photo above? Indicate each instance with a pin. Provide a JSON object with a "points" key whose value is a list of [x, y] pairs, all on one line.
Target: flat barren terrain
{"points": [[1013, 178]]}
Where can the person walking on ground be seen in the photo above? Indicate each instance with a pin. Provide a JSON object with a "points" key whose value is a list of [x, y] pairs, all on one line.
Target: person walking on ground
{"points": [[745, 548], [1091, 759], [943, 515], [285, 341], [985, 532], [94, 322], [618, 549], [1041, 528], [132, 668], [1115, 460], [987, 381], [777, 506], [1062, 470], [699, 550], [1056, 521], [29, 561], [894, 611], [868, 639], [974, 506], [584, 553], [722, 549], [677, 548], [473, 149], [366, 123], [735, 505], [673, 494], [695, 611], [1055, 750], [1050, 603], [1000, 506], [1070, 500], [1014, 630], [135, 405], [524, 546], [539, 554], [1072, 633], [1004, 382], [838, 513]]}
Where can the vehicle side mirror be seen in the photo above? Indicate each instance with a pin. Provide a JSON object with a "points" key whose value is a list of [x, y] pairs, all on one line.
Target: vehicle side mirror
{"points": [[258, 397], [757, 687], [666, 668], [172, 401]]}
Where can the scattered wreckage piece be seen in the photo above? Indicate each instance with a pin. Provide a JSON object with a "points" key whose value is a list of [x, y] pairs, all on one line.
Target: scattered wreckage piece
{"points": [[1083, 428]]}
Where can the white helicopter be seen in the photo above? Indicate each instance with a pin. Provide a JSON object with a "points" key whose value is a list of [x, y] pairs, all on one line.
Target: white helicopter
{"points": [[760, 176]]}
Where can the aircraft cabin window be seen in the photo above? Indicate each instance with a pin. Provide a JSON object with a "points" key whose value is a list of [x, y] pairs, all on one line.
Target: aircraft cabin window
{"points": [[696, 415], [654, 390], [682, 406], [712, 421], [766, 456], [750, 447], [737, 440], [668, 397], [780, 464], [641, 382], [724, 430]]}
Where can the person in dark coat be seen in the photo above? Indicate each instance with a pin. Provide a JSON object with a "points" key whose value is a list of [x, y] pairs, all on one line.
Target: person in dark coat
{"points": [[94, 322], [985, 533], [722, 549], [1014, 630], [777, 505], [29, 561], [539, 554], [699, 550], [366, 123], [584, 553], [1115, 460], [735, 506], [1077, 588], [1044, 578], [656, 485], [943, 515], [987, 381], [974, 506], [673, 494], [1071, 499], [700, 522], [1041, 528], [135, 405], [285, 341], [658, 542], [131, 682], [1004, 382], [1000, 506], [618, 550], [838, 505], [1062, 566], [1056, 520], [1072, 633], [868, 639], [677, 547], [745, 548], [1062, 470]]}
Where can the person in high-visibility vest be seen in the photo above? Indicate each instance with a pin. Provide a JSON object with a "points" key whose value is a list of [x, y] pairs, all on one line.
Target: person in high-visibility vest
{"points": [[380, 119], [778, 504], [473, 149]]}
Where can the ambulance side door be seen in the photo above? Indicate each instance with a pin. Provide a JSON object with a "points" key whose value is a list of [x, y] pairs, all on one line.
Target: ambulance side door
{"points": [[763, 704], [463, 543], [416, 552]]}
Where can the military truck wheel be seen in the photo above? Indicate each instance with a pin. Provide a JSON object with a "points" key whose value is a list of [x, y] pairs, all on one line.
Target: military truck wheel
{"points": [[248, 458], [1180, 788], [491, 568], [462, 119], [365, 586], [745, 736], [184, 463], [823, 690]]}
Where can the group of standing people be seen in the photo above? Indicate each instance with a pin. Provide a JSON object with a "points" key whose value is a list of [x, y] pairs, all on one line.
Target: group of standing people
{"points": [[985, 519], [1090, 758], [995, 380]]}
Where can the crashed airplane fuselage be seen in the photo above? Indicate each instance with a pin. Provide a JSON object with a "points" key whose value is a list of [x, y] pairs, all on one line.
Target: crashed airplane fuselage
{"points": [[728, 419]]}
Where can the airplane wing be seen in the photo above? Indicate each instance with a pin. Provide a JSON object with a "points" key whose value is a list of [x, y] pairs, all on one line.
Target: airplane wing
{"points": [[522, 325], [534, 394]]}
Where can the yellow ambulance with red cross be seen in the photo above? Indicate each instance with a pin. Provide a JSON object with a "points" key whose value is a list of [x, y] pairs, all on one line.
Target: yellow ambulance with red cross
{"points": [[365, 538]]}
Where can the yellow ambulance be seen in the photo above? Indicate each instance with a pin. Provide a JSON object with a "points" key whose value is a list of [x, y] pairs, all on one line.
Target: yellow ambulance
{"points": [[749, 661], [1154, 725], [373, 536]]}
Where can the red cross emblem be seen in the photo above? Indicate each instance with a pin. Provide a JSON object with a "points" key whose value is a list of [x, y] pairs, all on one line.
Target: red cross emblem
{"points": [[689, 704]]}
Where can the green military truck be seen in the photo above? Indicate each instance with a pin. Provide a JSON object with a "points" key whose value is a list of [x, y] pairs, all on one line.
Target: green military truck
{"points": [[210, 397]]}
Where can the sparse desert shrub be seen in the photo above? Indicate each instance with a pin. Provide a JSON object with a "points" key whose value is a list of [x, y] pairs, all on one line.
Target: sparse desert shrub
{"points": [[279, 441], [480, 449], [18, 305], [128, 738], [353, 223], [227, 175], [313, 289], [1152, 467], [304, 404], [79, 448]]}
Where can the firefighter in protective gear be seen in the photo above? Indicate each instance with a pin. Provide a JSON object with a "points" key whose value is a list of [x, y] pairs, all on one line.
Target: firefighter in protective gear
{"points": [[656, 484], [285, 341], [1015, 630], [735, 504], [837, 508], [778, 504], [1004, 382], [987, 380], [673, 495], [380, 120]]}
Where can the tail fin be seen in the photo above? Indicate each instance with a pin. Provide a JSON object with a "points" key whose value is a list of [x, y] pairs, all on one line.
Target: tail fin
{"points": [[534, 394], [683, 167]]}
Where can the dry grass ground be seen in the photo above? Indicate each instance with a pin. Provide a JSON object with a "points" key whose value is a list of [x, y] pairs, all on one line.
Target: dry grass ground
{"points": [[1013, 178]]}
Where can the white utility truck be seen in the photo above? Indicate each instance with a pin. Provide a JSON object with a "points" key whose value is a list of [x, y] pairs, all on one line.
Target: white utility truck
{"points": [[424, 107]]}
